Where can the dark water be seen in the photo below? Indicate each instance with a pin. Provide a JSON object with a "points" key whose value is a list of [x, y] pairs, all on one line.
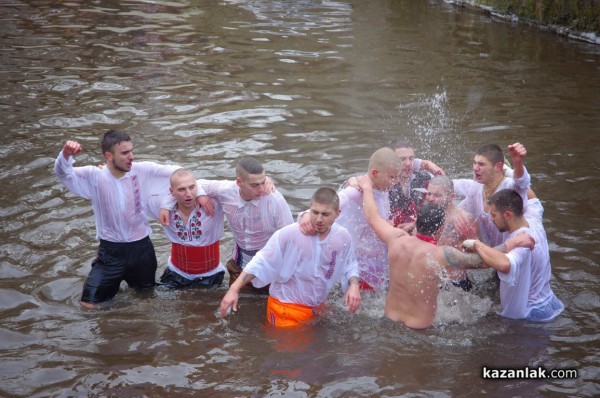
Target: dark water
{"points": [[312, 88]]}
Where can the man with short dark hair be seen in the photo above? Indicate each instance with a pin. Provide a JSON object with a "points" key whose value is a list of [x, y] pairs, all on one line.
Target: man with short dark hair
{"points": [[488, 170], [302, 269], [253, 212], [525, 291], [119, 194]]}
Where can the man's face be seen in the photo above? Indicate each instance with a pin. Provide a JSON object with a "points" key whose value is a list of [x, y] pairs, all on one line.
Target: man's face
{"points": [[438, 196], [322, 217], [483, 170], [120, 156], [252, 186], [384, 180], [407, 158], [184, 189], [499, 219]]}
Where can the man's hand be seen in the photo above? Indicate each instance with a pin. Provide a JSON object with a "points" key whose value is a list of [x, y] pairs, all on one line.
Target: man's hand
{"points": [[71, 148], [520, 240], [352, 297], [229, 303], [352, 182], [517, 152], [269, 186], [432, 168], [164, 217], [306, 226], [364, 183], [207, 204]]}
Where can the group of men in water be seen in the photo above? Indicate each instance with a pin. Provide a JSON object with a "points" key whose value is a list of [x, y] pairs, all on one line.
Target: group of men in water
{"points": [[397, 230]]}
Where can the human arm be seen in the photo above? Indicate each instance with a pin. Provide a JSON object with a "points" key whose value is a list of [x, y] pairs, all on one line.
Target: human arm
{"points": [[78, 180], [351, 182], [466, 226], [384, 230], [352, 297], [459, 259], [230, 300], [493, 257], [517, 153], [431, 167], [306, 226]]}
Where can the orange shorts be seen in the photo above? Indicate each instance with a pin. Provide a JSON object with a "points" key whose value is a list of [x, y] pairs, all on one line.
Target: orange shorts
{"points": [[283, 315]]}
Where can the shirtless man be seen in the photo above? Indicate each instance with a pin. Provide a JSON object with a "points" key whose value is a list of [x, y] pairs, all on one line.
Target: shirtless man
{"points": [[415, 264], [459, 225], [302, 269]]}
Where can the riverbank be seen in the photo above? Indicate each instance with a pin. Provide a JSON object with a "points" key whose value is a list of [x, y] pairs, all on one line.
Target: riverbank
{"points": [[578, 20]]}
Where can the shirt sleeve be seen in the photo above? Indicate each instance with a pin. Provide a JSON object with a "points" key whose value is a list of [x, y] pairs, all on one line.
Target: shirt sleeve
{"points": [[522, 185], [78, 180], [283, 214], [267, 263], [516, 258], [351, 266]]}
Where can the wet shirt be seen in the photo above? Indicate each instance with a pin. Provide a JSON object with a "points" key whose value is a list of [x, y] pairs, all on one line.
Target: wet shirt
{"points": [[303, 269], [371, 252], [251, 222], [404, 208], [119, 204], [472, 191], [199, 231], [525, 290]]}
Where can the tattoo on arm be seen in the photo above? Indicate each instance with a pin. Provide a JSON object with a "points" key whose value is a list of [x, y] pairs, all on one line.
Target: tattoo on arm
{"points": [[456, 258]]}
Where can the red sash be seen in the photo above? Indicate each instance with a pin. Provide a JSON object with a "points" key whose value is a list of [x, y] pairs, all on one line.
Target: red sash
{"points": [[429, 239], [195, 259]]}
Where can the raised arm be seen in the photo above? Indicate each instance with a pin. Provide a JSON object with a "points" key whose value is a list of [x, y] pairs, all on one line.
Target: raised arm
{"points": [[384, 230], [517, 153]]}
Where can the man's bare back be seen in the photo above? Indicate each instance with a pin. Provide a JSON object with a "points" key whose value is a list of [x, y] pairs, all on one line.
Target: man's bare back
{"points": [[414, 281]]}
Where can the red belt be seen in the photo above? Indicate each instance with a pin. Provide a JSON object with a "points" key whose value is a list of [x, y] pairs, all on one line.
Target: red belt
{"points": [[195, 259]]}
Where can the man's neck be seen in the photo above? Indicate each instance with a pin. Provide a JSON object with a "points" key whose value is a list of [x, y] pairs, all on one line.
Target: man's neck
{"points": [[184, 212], [116, 172], [518, 223]]}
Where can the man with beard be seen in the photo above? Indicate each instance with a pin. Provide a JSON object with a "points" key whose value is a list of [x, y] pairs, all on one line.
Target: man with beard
{"points": [[119, 194], [525, 291]]}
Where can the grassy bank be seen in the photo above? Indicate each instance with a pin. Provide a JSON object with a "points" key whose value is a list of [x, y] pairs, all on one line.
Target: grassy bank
{"points": [[579, 19]]}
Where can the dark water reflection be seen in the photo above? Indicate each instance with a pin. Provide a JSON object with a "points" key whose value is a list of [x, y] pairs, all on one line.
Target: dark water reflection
{"points": [[312, 88]]}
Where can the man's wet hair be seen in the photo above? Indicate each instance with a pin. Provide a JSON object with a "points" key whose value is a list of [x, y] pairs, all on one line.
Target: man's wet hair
{"points": [[248, 165], [507, 200], [429, 219], [443, 181], [491, 152], [326, 196], [112, 138], [401, 143]]}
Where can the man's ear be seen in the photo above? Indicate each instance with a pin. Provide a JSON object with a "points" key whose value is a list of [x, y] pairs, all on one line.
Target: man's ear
{"points": [[499, 167], [107, 155], [238, 181]]}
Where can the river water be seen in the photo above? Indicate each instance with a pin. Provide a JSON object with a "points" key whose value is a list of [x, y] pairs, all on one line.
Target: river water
{"points": [[312, 88]]}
